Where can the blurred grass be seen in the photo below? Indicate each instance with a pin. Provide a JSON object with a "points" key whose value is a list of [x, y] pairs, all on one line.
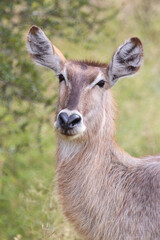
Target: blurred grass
{"points": [[28, 201]]}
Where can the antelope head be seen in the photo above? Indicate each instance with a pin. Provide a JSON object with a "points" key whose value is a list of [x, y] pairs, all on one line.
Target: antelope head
{"points": [[84, 95]]}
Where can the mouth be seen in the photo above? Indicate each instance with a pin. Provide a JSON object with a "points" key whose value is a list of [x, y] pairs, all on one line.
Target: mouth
{"points": [[74, 132]]}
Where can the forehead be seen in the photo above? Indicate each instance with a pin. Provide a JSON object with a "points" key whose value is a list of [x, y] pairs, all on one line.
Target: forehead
{"points": [[83, 71]]}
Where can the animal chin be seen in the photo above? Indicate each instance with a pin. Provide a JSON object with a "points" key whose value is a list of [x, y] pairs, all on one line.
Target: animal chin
{"points": [[70, 133]]}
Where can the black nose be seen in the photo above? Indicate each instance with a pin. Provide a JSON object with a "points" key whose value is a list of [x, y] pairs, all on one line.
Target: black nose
{"points": [[68, 122]]}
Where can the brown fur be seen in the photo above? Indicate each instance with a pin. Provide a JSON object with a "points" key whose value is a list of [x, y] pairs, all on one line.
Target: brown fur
{"points": [[89, 63], [104, 192]]}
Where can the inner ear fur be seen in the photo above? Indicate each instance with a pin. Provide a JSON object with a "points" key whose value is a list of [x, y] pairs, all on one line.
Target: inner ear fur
{"points": [[42, 51], [127, 60]]}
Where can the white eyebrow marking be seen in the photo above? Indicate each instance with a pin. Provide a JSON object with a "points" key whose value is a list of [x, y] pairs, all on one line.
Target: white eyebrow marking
{"points": [[65, 76], [98, 78]]}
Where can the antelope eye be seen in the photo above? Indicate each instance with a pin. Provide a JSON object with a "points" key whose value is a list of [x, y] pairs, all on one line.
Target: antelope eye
{"points": [[101, 83], [61, 77]]}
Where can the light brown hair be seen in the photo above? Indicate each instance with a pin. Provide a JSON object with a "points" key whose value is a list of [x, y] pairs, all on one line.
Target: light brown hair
{"points": [[104, 192]]}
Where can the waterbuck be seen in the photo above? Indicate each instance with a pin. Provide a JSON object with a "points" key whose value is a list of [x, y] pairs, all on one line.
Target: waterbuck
{"points": [[104, 192]]}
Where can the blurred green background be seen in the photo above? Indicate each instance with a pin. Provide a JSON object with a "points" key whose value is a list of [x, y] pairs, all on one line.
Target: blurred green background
{"points": [[91, 29]]}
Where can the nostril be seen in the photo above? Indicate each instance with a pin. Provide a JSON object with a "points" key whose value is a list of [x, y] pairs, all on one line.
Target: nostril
{"points": [[63, 119], [74, 120]]}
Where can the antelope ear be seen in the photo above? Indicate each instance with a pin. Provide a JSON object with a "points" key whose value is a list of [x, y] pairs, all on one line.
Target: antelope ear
{"points": [[42, 51], [126, 61]]}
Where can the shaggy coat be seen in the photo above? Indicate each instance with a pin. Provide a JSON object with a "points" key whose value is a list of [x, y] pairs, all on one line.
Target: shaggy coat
{"points": [[104, 192]]}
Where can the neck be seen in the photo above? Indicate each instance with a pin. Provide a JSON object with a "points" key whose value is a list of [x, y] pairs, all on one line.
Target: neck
{"points": [[106, 152]]}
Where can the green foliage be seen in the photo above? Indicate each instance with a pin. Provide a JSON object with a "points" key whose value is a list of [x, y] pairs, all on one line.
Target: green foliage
{"points": [[21, 85], [28, 94]]}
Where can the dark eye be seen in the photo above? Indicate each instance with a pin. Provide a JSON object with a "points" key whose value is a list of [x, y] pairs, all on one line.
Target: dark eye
{"points": [[61, 77], [101, 83]]}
